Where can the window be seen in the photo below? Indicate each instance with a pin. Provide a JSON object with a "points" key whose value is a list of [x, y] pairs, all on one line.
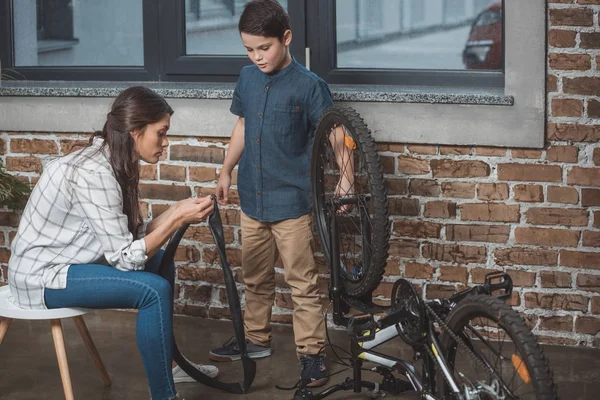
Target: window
{"points": [[403, 42]]}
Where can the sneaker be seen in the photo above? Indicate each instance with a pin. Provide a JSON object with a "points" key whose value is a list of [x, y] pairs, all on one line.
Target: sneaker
{"points": [[313, 370], [231, 352], [180, 376]]}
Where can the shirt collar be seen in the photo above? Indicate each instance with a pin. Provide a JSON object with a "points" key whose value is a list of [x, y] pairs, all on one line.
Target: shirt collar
{"points": [[285, 70]]}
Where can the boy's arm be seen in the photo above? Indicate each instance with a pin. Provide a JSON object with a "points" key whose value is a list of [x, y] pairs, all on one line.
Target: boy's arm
{"points": [[234, 153]]}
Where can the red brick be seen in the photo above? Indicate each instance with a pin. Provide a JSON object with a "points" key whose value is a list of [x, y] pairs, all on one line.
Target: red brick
{"points": [[416, 229], [230, 217], [567, 154], [591, 239], [198, 293], [588, 282], [573, 132], [68, 146], [478, 274], [404, 248], [387, 164], [557, 323], [557, 340], [546, 237], [397, 148], [567, 108], [529, 172], [529, 193], [589, 40], [555, 279], [590, 197], [596, 219], [384, 289], [439, 291], [557, 216], [584, 176], [191, 310], [202, 234], [420, 149], [213, 155], [4, 255], [490, 151], [187, 254], [561, 38], [33, 146], [571, 17], [424, 187], [579, 259], [148, 172], [439, 209], [521, 278], [461, 190], [219, 312], [525, 256], [412, 166], [489, 212], [24, 164], [9, 218], [407, 207], [492, 191], [555, 301], [478, 233], [561, 194], [455, 150], [172, 172], [585, 85], [551, 83], [593, 110], [396, 187], [454, 253], [589, 325], [453, 274], [459, 169], [144, 209], [418, 271], [595, 305], [164, 192], [563, 61], [526, 153]]}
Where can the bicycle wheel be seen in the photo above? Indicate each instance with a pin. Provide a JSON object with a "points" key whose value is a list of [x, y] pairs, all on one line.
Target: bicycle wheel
{"points": [[497, 357], [348, 185]]}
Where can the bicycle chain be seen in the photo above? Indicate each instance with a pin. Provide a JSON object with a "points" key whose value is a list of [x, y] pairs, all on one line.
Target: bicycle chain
{"points": [[455, 337]]}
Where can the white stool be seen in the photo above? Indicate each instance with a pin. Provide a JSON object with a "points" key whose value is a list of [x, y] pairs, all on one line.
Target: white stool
{"points": [[9, 311]]}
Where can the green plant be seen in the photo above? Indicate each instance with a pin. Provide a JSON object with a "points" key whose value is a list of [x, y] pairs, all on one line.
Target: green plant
{"points": [[13, 191], [8, 74]]}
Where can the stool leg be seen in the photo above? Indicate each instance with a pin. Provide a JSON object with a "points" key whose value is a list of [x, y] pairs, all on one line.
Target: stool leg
{"points": [[61, 354], [89, 343], [4, 324]]}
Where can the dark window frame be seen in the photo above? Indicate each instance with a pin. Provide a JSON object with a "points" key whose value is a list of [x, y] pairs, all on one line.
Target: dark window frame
{"points": [[165, 58], [321, 39]]}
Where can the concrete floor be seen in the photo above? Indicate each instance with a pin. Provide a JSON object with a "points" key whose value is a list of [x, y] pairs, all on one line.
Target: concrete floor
{"points": [[29, 370]]}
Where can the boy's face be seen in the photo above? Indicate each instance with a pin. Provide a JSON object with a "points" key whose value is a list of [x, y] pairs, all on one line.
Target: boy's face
{"points": [[268, 53]]}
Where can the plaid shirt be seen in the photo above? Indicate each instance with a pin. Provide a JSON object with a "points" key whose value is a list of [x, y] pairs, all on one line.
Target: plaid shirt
{"points": [[74, 216]]}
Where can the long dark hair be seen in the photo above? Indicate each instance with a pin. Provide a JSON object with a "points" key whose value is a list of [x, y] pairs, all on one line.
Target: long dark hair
{"points": [[133, 109]]}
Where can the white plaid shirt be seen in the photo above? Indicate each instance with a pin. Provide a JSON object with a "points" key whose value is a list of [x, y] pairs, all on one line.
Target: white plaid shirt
{"points": [[73, 216]]}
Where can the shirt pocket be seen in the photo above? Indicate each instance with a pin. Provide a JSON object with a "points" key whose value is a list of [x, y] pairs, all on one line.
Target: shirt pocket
{"points": [[286, 119]]}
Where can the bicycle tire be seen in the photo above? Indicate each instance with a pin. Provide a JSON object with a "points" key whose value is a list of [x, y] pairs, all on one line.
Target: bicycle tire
{"points": [[507, 319], [366, 152]]}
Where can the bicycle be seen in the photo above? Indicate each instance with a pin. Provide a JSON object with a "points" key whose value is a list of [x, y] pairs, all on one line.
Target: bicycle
{"points": [[470, 327]]}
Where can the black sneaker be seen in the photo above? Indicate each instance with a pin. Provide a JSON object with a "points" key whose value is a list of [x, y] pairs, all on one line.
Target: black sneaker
{"points": [[313, 370], [231, 352]]}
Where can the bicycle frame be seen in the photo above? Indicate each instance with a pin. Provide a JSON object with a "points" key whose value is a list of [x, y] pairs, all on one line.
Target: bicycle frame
{"points": [[366, 336]]}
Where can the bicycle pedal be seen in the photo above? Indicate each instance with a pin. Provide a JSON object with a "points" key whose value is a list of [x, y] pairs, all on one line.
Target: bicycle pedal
{"points": [[362, 328]]}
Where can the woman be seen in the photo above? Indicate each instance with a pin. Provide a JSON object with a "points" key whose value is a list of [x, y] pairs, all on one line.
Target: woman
{"points": [[82, 242]]}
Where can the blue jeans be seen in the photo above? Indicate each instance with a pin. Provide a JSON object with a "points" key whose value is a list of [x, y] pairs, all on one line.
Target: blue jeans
{"points": [[101, 286]]}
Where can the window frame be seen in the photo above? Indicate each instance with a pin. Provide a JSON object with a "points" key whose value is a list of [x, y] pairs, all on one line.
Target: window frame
{"points": [[321, 36]]}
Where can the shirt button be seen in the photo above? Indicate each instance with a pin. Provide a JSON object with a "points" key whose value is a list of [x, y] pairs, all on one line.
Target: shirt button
{"points": [[266, 89], [260, 114], [258, 167], [258, 193], [257, 140]]}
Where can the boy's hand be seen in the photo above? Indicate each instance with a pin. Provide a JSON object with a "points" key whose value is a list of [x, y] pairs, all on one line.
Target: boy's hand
{"points": [[222, 191]]}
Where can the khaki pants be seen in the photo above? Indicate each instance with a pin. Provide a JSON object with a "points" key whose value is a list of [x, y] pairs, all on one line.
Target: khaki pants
{"points": [[261, 242]]}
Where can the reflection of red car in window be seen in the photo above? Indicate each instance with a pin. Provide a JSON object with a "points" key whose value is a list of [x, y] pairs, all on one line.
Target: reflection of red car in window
{"points": [[483, 49]]}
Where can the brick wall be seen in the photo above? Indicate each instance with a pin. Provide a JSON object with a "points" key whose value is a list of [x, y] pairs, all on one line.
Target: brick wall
{"points": [[458, 212]]}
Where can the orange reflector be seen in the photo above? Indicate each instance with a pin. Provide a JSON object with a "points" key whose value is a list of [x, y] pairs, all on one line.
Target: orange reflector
{"points": [[521, 368], [349, 142]]}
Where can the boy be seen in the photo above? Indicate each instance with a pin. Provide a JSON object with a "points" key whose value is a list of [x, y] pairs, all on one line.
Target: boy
{"points": [[279, 104]]}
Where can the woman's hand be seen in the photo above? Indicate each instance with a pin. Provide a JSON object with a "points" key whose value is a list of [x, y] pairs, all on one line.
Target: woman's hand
{"points": [[194, 210]]}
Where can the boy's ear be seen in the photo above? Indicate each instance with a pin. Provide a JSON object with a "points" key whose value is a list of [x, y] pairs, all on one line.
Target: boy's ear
{"points": [[287, 37]]}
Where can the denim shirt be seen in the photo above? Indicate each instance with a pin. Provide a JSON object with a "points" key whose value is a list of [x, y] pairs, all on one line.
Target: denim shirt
{"points": [[281, 112]]}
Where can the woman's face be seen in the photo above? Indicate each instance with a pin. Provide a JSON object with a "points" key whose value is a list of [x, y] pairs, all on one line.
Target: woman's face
{"points": [[151, 143]]}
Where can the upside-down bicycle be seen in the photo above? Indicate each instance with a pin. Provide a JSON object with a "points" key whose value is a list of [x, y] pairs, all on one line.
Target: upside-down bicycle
{"points": [[471, 345]]}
